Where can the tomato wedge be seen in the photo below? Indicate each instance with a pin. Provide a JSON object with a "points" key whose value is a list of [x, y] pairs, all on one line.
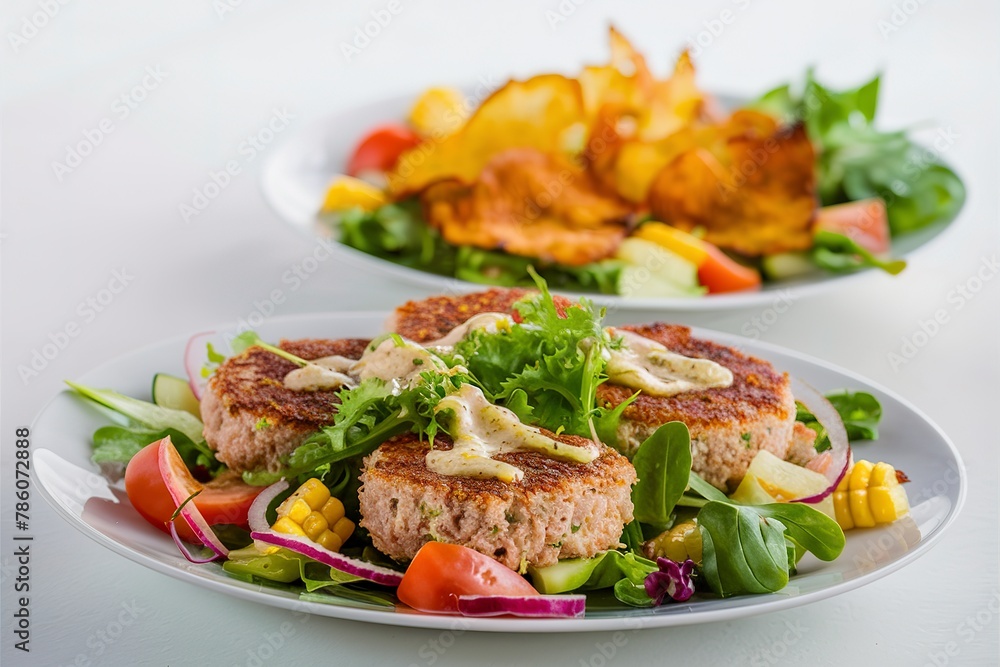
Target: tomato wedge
{"points": [[380, 149], [225, 499], [441, 572], [721, 273], [866, 222]]}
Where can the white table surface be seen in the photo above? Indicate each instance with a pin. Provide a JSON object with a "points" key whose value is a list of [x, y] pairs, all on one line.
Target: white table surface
{"points": [[222, 78]]}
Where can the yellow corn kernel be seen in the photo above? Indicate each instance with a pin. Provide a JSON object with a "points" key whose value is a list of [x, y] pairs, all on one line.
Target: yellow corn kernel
{"points": [[286, 525], [332, 511], [860, 512], [882, 474], [860, 475], [313, 491], [311, 512], [298, 511], [869, 495], [315, 525], [343, 528], [330, 541]]}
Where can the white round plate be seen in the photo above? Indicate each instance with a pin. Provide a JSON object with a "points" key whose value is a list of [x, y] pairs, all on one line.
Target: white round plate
{"points": [[296, 175], [71, 483]]}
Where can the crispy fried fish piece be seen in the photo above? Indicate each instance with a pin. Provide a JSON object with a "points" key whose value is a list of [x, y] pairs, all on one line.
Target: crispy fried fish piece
{"points": [[531, 204], [753, 192]]}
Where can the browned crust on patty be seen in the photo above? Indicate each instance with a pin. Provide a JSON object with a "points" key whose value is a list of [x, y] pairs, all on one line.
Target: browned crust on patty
{"points": [[432, 318], [757, 388], [254, 381], [558, 510], [403, 457]]}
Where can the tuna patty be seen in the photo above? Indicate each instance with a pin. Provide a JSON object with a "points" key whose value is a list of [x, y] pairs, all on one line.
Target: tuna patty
{"points": [[430, 319], [559, 510], [252, 420], [728, 425]]}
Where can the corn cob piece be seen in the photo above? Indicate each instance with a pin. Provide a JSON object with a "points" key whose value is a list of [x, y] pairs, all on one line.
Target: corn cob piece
{"points": [[311, 512], [869, 495]]}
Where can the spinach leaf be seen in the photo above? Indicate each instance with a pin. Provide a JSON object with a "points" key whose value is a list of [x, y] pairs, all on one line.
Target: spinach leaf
{"points": [[704, 489], [745, 547], [859, 410], [632, 537], [115, 445], [857, 161], [615, 565], [838, 253], [742, 552], [663, 464], [398, 232]]}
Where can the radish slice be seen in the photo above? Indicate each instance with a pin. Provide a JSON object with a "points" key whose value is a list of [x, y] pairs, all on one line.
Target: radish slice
{"points": [[194, 359], [257, 514], [528, 606], [169, 460], [352, 566], [838, 457], [186, 549]]}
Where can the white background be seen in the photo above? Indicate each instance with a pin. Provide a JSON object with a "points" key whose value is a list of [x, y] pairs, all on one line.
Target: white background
{"points": [[226, 73]]}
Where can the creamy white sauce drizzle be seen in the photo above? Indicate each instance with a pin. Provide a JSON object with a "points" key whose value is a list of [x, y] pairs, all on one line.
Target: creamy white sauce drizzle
{"points": [[394, 360], [481, 430], [644, 364], [321, 374], [397, 361], [490, 322]]}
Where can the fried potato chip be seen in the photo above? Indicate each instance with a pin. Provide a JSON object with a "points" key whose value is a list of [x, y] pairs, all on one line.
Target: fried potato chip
{"points": [[639, 123], [541, 113], [533, 204], [637, 163], [752, 192]]}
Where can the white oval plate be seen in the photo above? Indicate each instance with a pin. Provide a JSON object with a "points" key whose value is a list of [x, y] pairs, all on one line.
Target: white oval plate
{"points": [[71, 483], [296, 175]]}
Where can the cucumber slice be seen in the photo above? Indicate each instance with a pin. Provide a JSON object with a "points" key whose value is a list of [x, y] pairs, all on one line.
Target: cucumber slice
{"points": [[175, 393], [566, 575], [654, 271], [786, 265]]}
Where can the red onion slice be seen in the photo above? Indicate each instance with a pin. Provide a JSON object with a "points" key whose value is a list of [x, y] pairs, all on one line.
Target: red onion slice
{"points": [[186, 548], [257, 514], [527, 606], [352, 566], [840, 449], [194, 359], [169, 460]]}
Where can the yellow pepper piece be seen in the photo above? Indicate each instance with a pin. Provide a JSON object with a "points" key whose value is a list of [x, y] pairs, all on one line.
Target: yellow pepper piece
{"points": [[311, 512], [346, 192], [681, 542], [869, 495], [438, 113], [687, 246]]}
